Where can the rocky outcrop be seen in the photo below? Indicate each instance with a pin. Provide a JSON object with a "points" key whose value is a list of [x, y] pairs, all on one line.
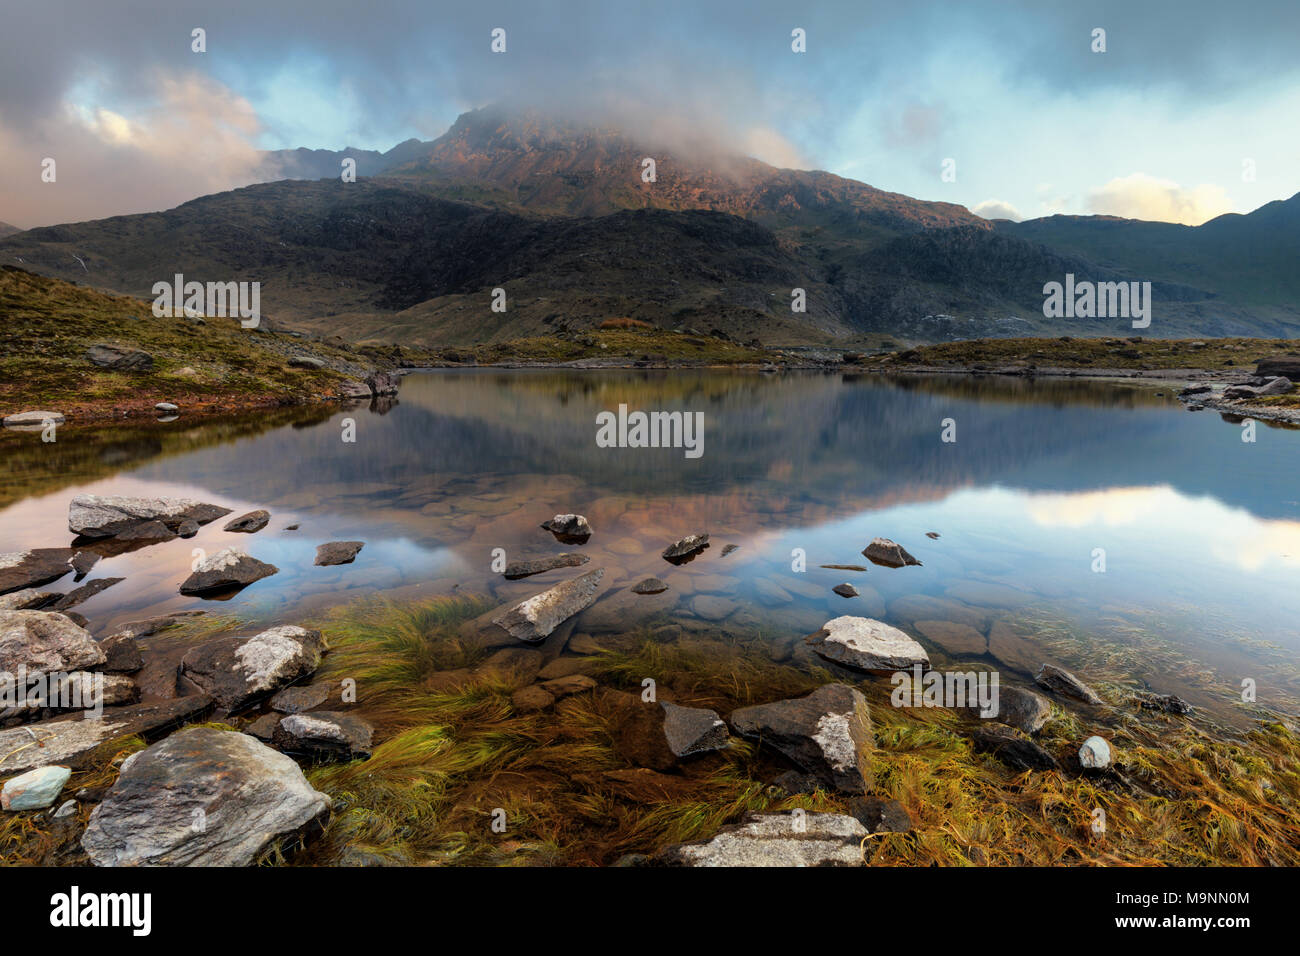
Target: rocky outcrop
{"points": [[827, 734], [887, 553], [250, 523], [20, 570], [867, 644], [775, 839], [384, 383], [202, 797], [337, 552], [1060, 681], [118, 358], [1279, 365], [523, 569], [238, 672], [532, 620], [225, 571], [105, 516], [45, 641], [324, 734]]}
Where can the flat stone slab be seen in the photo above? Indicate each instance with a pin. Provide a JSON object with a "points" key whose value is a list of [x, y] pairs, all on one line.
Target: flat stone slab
{"points": [[776, 839], [337, 552], [226, 570], [532, 620], [324, 734], [37, 418], [84, 593], [523, 569], [20, 570], [867, 644], [239, 671], [295, 700], [28, 599], [103, 516], [45, 641]]}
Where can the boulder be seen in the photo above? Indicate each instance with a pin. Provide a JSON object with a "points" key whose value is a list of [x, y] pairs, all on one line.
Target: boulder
{"points": [[28, 599], [1060, 681], [845, 590], [775, 839], [682, 550], [569, 529], [104, 516], [152, 530], [1279, 365], [693, 730], [1168, 703], [880, 816], [1013, 750], [324, 734], [531, 699], [166, 408], [522, 569], [1022, 709], [237, 671], [649, 586], [338, 552], [20, 570], [884, 552], [202, 797], [226, 570], [532, 620], [82, 690], [295, 700], [33, 419], [119, 358], [1094, 754], [35, 789], [306, 361], [568, 685], [384, 383], [45, 641], [867, 644], [827, 734], [121, 653], [250, 523]]}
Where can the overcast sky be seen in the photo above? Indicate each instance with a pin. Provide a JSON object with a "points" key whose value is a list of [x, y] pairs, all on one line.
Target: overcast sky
{"points": [[1168, 123]]}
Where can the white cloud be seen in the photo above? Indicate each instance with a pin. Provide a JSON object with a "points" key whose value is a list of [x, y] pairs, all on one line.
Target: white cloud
{"points": [[1139, 196], [997, 209]]}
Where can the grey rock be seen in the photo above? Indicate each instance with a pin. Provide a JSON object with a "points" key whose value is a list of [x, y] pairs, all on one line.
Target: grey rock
{"points": [[247, 797], [881, 816], [250, 523], [226, 570], [532, 620], [45, 641], [828, 734], [845, 590], [569, 528], [35, 789], [1013, 750], [1022, 709], [28, 599], [167, 408], [649, 586], [121, 653], [775, 839], [1094, 754], [237, 672], [889, 554], [324, 734], [867, 644], [338, 552], [295, 700], [1169, 703], [264, 727], [152, 530], [523, 569], [306, 361], [384, 383], [35, 419], [84, 593], [20, 570], [693, 730], [119, 358], [1060, 681], [686, 548], [104, 516]]}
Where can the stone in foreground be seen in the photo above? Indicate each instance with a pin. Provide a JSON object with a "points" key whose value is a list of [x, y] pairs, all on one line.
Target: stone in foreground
{"points": [[889, 554], [247, 797], [523, 569], [35, 789], [324, 734], [693, 730], [337, 552], [827, 734], [226, 570], [20, 570], [867, 644], [1094, 754], [45, 641], [534, 619], [28, 599], [1022, 709], [1015, 751], [237, 672], [1061, 681], [104, 516], [775, 839]]}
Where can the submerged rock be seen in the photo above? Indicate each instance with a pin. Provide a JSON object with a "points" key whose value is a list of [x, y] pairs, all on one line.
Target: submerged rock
{"points": [[649, 586], [524, 569], [84, 593], [1168, 703], [20, 570], [45, 641], [226, 570], [1061, 681], [1094, 754], [237, 672], [775, 839], [250, 523], [570, 528], [35, 789], [827, 733], [888, 553], [324, 734], [202, 797], [867, 644], [337, 552], [104, 516], [532, 620], [682, 550]]}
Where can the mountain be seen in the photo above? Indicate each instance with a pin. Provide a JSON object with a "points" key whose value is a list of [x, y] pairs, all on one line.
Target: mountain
{"points": [[8, 230], [558, 215], [305, 163]]}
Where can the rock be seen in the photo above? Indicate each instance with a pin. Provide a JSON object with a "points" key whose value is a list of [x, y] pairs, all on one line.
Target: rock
{"points": [[121, 654], [711, 607], [795, 781], [532, 620], [693, 730], [384, 383], [771, 593], [827, 733], [584, 644], [868, 645], [932, 535], [82, 562], [880, 816], [119, 358], [306, 361], [20, 570], [167, 408], [884, 552], [352, 389], [845, 590], [567, 686], [67, 740], [1277, 385], [1060, 681], [35, 789], [250, 523], [84, 593], [104, 516], [33, 419], [146, 531], [531, 699], [1194, 390], [682, 550], [844, 567], [28, 599], [729, 548], [153, 625], [264, 727], [248, 797], [563, 667], [66, 809], [649, 586], [570, 528], [295, 700], [237, 672], [324, 734], [1022, 709], [187, 528], [81, 690], [226, 570], [291, 527], [45, 641], [956, 639], [1094, 754], [1013, 750], [1169, 703], [517, 665], [337, 552], [1279, 365], [523, 569], [775, 839]]}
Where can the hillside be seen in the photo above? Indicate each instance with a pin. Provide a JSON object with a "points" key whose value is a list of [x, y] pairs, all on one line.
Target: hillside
{"points": [[8, 230]]}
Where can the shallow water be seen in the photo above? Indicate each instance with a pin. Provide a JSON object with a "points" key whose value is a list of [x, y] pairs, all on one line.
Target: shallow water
{"points": [[1200, 530]]}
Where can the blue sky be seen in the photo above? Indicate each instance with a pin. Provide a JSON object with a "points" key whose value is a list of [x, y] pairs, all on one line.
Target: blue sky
{"points": [[1190, 112]]}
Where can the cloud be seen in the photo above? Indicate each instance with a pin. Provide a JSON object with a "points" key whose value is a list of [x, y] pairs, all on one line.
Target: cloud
{"points": [[1140, 196], [997, 209]]}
